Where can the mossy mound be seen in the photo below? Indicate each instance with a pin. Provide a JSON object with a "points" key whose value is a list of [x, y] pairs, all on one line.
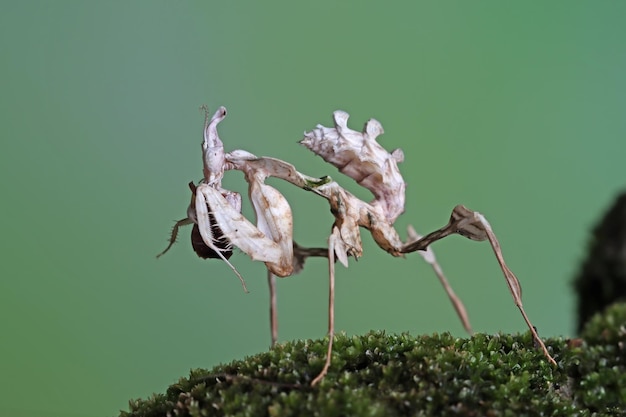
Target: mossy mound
{"points": [[601, 280], [381, 374], [608, 327]]}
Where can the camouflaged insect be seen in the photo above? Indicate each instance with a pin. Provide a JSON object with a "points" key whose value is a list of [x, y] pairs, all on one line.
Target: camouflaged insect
{"points": [[219, 225]]}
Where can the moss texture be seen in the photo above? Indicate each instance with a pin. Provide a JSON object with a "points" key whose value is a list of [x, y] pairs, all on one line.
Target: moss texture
{"points": [[379, 374]]}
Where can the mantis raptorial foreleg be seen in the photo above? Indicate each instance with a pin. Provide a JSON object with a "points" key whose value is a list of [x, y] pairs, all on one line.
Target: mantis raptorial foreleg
{"points": [[216, 213]]}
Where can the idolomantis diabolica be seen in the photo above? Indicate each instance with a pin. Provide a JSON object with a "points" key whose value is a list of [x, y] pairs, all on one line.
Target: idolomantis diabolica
{"points": [[219, 225]]}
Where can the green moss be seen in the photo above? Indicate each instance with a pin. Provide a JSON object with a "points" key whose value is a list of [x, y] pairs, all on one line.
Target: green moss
{"points": [[607, 327], [379, 374]]}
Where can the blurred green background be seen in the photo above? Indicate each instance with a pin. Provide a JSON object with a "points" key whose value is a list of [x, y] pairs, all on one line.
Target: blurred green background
{"points": [[515, 110]]}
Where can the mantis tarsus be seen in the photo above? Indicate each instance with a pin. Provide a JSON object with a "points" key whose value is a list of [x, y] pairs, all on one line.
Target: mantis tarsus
{"points": [[219, 225]]}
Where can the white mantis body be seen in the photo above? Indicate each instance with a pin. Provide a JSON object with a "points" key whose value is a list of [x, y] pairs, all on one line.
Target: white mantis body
{"points": [[216, 212]]}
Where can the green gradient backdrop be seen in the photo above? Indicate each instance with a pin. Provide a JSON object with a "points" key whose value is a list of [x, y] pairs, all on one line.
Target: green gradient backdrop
{"points": [[513, 110]]}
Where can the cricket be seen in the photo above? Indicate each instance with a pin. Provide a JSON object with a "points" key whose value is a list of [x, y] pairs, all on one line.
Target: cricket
{"points": [[219, 226]]}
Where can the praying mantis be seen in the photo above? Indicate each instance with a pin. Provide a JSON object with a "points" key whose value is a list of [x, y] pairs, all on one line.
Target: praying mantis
{"points": [[219, 226]]}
